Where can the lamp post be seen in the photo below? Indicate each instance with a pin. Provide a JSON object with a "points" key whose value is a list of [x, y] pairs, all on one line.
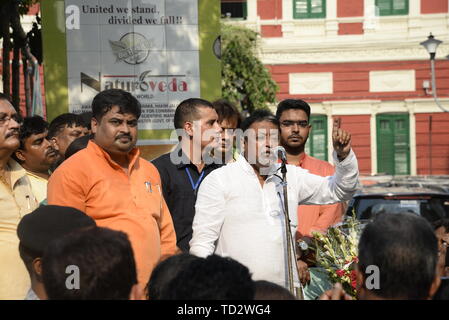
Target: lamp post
{"points": [[431, 45]]}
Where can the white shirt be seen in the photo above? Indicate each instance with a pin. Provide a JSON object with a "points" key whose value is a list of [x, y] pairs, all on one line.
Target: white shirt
{"points": [[235, 216]]}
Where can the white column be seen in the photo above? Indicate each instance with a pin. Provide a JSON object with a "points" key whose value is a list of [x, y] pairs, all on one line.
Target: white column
{"points": [[412, 138], [331, 17], [371, 20], [414, 8], [373, 136], [414, 13], [251, 6], [287, 10], [330, 124], [287, 18], [331, 9]]}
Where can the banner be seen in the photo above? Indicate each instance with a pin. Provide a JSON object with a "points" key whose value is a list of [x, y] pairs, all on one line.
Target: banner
{"points": [[161, 51]]}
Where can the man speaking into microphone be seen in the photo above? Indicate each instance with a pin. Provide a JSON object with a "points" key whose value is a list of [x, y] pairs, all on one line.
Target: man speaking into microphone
{"points": [[239, 209]]}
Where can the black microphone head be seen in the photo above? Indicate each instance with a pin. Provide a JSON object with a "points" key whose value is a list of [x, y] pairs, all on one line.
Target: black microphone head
{"points": [[280, 153]]}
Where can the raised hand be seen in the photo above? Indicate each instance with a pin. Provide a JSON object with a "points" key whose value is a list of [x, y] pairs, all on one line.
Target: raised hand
{"points": [[341, 140]]}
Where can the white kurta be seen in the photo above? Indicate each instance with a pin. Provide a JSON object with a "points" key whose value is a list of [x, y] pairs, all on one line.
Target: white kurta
{"points": [[236, 217]]}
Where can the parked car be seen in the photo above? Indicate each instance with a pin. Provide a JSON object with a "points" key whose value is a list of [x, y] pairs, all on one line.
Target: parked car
{"points": [[426, 198]]}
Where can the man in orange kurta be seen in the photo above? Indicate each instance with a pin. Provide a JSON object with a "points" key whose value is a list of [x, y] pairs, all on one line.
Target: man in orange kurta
{"points": [[294, 116], [112, 184], [317, 218]]}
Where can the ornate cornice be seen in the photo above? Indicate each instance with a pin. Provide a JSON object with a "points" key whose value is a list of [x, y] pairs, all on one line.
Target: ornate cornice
{"points": [[282, 55]]}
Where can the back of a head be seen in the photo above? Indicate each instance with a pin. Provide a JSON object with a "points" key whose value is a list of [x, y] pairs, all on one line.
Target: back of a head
{"points": [[213, 278], [259, 116], [77, 145], [45, 224], [296, 104], [404, 249], [266, 290], [107, 99], [101, 258], [165, 272], [441, 223], [4, 97], [187, 110], [227, 111], [62, 121], [87, 117]]}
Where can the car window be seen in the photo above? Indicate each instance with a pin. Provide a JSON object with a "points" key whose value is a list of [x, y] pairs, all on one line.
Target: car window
{"points": [[428, 207]]}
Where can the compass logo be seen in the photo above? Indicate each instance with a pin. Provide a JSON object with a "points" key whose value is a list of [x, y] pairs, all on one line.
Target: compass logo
{"points": [[132, 48]]}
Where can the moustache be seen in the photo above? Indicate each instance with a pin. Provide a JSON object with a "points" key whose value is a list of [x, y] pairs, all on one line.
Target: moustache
{"points": [[125, 135], [50, 151], [14, 132]]}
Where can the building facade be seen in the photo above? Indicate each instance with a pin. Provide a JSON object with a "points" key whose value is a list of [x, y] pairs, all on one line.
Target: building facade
{"points": [[361, 61]]}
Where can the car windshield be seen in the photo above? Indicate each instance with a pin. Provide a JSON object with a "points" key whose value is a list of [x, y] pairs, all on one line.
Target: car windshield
{"points": [[431, 208]]}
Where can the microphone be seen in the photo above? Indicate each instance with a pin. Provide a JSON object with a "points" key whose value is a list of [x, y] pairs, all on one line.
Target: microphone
{"points": [[280, 153]]}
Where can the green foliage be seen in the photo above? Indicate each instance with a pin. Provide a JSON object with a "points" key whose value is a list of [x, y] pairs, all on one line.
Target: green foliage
{"points": [[245, 80]]}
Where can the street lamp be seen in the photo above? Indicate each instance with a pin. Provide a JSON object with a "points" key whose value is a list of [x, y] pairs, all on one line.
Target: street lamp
{"points": [[431, 45]]}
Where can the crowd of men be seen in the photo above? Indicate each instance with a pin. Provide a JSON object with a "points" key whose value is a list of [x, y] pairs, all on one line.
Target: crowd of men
{"points": [[83, 216]]}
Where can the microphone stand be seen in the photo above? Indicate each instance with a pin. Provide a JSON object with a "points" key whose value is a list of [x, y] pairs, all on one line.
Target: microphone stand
{"points": [[291, 250]]}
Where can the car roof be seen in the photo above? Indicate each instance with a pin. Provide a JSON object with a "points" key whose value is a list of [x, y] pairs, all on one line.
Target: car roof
{"points": [[405, 185]]}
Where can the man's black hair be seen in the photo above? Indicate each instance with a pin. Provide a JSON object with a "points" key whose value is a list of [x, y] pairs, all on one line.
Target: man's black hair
{"points": [[87, 117], [404, 248], [187, 110], [28, 256], [296, 104], [30, 126], [266, 290], [105, 100], [4, 97], [40, 227], [259, 116], [212, 278], [165, 272], [441, 223], [227, 111], [105, 261], [64, 120], [76, 145]]}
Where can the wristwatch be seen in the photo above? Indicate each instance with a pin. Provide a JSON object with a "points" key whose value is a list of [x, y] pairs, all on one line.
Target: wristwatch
{"points": [[302, 245]]}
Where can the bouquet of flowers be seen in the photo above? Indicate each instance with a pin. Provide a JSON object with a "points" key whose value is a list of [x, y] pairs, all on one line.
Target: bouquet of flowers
{"points": [[336, 252]]}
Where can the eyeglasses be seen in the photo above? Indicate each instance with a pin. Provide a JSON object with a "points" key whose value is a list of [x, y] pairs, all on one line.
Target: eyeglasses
{"points": [[289, 123], [4, 119]]}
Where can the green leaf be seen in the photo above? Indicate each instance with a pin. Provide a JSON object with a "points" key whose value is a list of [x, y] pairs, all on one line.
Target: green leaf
{"points": [[240, 64]]}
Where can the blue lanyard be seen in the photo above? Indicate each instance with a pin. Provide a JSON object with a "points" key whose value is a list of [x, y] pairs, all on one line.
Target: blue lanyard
{"points": [[194, 185]]}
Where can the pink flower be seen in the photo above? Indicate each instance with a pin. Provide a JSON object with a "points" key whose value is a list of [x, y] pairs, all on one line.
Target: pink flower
{"points": [[353, 275], [340, 272]]}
